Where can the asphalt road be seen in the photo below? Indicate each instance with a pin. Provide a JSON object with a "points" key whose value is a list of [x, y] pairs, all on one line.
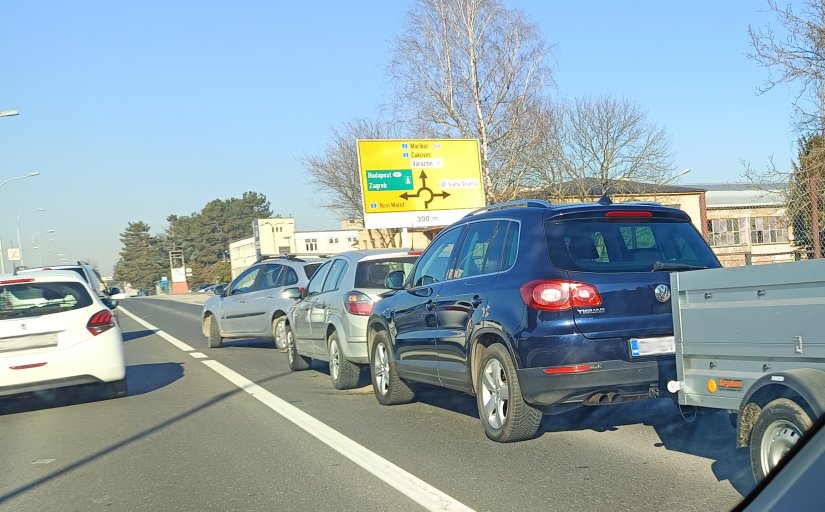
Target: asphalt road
{"points": [[233, 429]]}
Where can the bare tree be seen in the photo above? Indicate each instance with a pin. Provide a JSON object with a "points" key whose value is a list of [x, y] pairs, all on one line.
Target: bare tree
{"points": [[797, 56], [337, 179], [474, 69], [607, 142]]}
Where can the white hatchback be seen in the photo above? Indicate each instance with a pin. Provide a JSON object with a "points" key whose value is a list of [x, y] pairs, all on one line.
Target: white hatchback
{"points": [[55, 332]]}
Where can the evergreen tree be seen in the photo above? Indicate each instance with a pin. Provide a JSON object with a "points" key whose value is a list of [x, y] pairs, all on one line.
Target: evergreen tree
{"points": [[142, 259]]}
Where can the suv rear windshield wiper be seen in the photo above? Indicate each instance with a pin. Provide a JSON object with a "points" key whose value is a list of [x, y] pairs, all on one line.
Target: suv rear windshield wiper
{"points": [[658, 266]]}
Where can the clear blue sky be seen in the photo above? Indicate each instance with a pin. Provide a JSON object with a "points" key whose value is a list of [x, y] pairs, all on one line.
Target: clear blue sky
{"points": [[132, 111]]}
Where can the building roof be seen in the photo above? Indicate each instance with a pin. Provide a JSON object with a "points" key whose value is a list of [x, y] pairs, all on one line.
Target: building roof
{"points": [[593, 187], [744, 195]]}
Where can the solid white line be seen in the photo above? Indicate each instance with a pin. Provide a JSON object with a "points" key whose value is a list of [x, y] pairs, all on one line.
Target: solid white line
{"points": [[404, 482], [410, 485], [168, 337]]}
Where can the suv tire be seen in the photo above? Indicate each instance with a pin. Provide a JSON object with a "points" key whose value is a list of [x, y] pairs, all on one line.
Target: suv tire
{"points": [[214, 339], [388, 387], [505, 415], [297, 362], [345, 374]]}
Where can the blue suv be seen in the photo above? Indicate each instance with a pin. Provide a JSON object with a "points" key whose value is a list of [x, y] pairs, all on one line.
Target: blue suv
{"points": [[537, 308]]}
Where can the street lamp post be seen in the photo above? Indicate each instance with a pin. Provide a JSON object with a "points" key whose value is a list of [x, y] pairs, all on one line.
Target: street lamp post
{"points": [[17, 224], [6, 113], [675, 176], [34, 243]]}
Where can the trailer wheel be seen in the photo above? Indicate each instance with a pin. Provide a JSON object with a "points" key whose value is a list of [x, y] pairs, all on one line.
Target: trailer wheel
{"points": [[778, 427]]}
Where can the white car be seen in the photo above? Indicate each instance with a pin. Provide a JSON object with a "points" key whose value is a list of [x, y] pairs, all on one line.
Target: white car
{"points": [[55, 332]]}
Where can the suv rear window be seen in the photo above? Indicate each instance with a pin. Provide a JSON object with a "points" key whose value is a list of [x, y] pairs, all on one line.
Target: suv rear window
{"points": [[618, 245], [371, 273], [22, 300]]}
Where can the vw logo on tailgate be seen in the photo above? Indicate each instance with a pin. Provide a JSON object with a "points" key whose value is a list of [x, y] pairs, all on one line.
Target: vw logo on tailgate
{"points": [[662, 293]]}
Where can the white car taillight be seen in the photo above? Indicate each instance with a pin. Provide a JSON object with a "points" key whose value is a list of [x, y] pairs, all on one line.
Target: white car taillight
{"points": [[100, 322]]}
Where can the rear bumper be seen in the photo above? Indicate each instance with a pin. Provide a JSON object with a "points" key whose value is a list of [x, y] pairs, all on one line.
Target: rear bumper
{"points": [[638, 379], [98, 359]]}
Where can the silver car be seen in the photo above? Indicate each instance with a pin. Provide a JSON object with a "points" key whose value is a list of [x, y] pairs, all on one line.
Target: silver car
{"points": [[330, 322], [254, 304]]}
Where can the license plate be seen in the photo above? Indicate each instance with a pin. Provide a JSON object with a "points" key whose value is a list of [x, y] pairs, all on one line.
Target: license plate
{"points": [[641, 347], [28, 342]]}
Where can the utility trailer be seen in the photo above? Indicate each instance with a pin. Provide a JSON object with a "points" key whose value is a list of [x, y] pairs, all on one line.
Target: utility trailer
{"points": [[751, 340]]}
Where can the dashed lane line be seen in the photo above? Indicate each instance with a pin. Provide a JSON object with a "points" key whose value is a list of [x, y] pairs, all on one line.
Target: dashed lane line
{"points": [[404, 482]]}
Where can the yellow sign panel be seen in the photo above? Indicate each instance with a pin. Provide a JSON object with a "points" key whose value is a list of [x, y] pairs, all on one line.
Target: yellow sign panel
{"points": [[419, 182]]}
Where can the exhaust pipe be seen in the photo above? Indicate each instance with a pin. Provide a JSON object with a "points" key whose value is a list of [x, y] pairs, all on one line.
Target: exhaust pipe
{"points": [[611, 397]]}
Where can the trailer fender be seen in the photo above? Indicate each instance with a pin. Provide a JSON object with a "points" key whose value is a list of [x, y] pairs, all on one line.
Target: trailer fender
{"points": [[804, 385]]}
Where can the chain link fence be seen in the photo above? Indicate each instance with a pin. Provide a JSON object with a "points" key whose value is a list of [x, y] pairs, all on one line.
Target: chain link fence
{"points": [[806, 214]]}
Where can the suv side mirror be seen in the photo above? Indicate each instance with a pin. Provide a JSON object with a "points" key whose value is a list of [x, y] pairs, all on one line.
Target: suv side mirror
{"points": [[220, 289], [109, 303], [395, 280], [113, 291]]}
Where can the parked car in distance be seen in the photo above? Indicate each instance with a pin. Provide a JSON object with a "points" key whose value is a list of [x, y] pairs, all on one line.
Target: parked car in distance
{"points": [[56, 332], [537, 308], [254, 304], [217, 289], [330, 322]]}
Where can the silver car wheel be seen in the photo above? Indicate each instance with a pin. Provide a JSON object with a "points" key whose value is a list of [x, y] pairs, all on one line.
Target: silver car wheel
{"points": [[334, 360], [290, 346], [381, 369], [495, 394], [279, 333]]}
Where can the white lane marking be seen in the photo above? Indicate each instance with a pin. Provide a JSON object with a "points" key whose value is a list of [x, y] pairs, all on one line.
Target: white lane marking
{"points": [[410, 485], [198, 355], [168, 337], [404, 482]]}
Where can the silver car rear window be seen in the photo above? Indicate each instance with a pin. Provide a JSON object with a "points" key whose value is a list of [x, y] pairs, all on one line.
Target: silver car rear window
{"points": [[371, 273]]}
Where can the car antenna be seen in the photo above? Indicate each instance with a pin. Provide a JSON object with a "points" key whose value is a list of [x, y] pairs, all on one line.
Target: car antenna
{"points": [[605, 199]]}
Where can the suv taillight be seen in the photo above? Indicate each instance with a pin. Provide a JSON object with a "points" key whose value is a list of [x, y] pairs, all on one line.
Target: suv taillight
{"points": [[358, 304], [100, 322], [559, 295]]}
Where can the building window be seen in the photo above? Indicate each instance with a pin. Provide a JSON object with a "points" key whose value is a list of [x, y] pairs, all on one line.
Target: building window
{"points": [[333, 240], [769, 230], [279, 229], [723, 232], [311, 244], [352, 240]]}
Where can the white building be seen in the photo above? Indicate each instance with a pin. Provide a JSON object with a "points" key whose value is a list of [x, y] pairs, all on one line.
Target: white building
{"points": [[748, 226]]}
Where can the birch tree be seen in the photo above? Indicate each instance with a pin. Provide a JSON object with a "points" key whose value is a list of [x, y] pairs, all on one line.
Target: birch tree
{"points": [[474, 69], [336, 177]]}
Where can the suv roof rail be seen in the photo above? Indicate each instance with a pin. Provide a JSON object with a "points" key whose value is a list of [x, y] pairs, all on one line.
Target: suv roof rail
{"points": [[290, 257], [530, 203]]}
